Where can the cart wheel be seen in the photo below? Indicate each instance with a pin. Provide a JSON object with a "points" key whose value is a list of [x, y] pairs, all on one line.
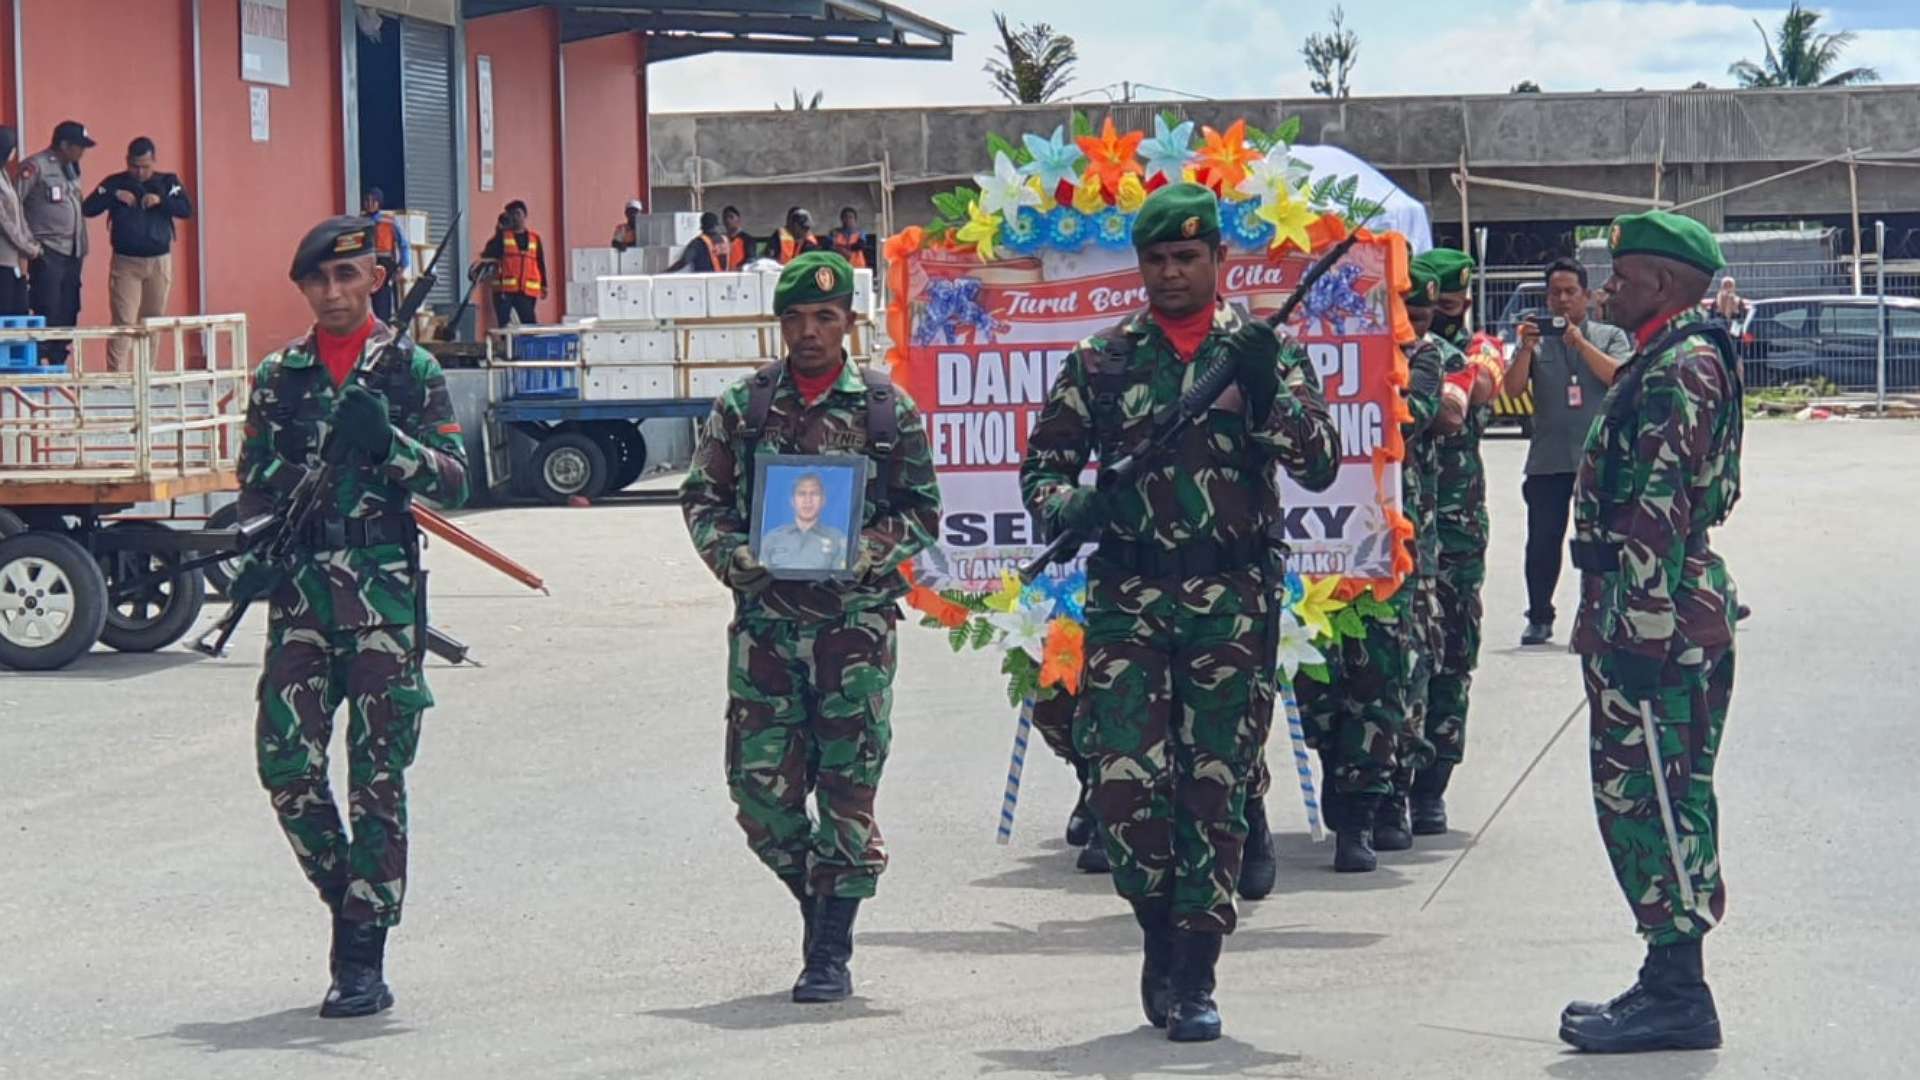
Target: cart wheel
{"points": [[158, 615], [567, 465], [10, 523], [220, 574], [626, 451], [53, 601]]}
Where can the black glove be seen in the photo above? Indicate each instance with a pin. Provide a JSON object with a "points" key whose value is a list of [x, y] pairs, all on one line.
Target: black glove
{"points": [[1255, 349], [360, 421], [747, 574]]}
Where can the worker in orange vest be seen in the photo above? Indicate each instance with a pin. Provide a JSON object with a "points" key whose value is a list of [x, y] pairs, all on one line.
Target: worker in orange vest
{"points": [[521, 269], [627, 234], [795, 239], [389, 250], [708, 253], [737, 241], [849, 240]]}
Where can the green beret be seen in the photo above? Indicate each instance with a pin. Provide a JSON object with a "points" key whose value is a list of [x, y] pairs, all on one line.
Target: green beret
{"points": [[1452, 269], [813, 278], [347, 237], [1177, 212], [1424, 286], [1670, 236]]}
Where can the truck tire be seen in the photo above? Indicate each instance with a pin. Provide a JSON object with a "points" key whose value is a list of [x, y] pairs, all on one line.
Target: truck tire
{"points": [[10, 523], [570, 464], [160, 614], [53, 601], [626, 451]]}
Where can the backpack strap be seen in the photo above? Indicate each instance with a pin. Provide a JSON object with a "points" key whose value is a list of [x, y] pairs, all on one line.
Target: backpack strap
{"points": [[883, 433], [1107, 382], [760, 387]]}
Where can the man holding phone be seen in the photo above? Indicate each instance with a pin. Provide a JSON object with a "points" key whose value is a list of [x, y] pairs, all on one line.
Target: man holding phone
{"points": [[1569, 360]]}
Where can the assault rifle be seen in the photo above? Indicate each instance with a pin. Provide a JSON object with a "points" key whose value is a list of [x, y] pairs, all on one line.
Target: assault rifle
{"points": [[1170, 426], [276, 538]]}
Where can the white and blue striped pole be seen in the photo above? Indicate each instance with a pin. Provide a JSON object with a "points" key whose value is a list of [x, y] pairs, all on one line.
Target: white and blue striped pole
{"points": [[1021, 731], [1302, 764]]}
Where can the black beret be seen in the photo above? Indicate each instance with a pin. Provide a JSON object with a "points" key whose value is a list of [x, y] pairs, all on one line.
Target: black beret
{"points": [[345, 237]]}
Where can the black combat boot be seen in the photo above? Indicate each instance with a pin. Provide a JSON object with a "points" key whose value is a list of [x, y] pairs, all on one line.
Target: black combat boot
{"points": [[333, 896], [1155, 917], [1669, 1008], [359, 986], [826, 977], [1353, 834], [798, 887], [1080, 823], [1257, 869], [1194, 1017], [1429, 802], [1093, 857], [1391, 831]]}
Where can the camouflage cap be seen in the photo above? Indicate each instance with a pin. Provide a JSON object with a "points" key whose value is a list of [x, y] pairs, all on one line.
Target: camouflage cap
{"points": [[1452, 269], [1177, 212], [813, 278], [1424, 286], [1669, 236], [346, 237]]}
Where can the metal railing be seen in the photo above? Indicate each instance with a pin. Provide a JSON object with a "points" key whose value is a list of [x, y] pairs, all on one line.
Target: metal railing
{"points": [[176, 412]]}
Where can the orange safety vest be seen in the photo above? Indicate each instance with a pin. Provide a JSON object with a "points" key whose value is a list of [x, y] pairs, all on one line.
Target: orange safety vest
{"points": [[851, 247], [520, 271], [737, 249], [720, 255], [386, 238]]}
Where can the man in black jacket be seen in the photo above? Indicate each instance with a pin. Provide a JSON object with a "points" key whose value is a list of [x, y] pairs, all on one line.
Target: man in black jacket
{"points": [[141, 204]]}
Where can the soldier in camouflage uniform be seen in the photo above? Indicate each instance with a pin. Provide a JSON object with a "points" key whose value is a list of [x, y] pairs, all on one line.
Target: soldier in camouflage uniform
{"points": [[1655, 625], [1366, 720], [1177, 700], [811, 663], [347, 618], [1461, 516], [1053, 719]]}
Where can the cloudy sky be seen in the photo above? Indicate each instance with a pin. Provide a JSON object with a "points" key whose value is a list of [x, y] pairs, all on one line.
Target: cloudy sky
{"points": [[1251, 49]]}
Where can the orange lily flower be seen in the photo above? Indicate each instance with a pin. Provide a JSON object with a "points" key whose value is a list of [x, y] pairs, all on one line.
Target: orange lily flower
{"points": [[1066, 655], [1110, 157], [1223, 158]]}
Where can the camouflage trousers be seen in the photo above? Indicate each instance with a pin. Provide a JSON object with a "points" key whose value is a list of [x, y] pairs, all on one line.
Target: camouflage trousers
{"points": [[1173, 721], [1687, 711], [1358, 719], [307, 675], [1053, 719], [1426, 637], [808, 714], [1458, 591]]}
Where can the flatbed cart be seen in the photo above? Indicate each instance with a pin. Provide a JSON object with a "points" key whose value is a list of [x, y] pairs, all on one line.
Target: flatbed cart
{"points": [[576, 391], [77, 450]]}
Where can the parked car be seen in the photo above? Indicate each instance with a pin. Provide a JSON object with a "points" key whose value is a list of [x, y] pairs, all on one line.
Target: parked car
{"points": [[1799, 338]]}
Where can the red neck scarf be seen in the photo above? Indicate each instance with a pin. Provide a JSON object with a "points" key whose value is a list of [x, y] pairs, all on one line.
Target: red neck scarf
{"points": [[1186, 333], [339, 354], [813, 387], [1652, 330]]}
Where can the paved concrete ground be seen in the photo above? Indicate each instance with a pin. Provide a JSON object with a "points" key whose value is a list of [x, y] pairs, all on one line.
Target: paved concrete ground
{"points": [[582, 905]]}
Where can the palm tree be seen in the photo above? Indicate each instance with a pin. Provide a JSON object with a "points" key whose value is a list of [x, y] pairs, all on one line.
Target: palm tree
{"points": [[801, 104], [1796, 56], [1034, 64]]}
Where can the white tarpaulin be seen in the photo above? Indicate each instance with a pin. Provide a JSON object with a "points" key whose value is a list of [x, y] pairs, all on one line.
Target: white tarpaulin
{"points": [[1404, 214]]}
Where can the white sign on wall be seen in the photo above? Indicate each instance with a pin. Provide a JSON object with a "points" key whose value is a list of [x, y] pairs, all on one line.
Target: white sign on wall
{"points": [[263, 42], [257, 112], [484, 70]]}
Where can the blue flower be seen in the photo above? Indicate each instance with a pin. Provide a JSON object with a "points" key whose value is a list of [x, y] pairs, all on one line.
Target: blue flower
{"points": [[1024, 232], [953, 305], [1243, 225], [1067, 229], [1168, 152], [1055, 160], [1112, 228], [1296, 587]]}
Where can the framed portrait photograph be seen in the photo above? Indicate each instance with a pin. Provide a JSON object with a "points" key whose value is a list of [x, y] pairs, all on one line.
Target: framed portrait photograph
{"points": [[807, 512]]}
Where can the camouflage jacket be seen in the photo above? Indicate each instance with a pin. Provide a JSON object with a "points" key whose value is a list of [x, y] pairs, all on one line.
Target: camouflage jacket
{"points": [[1214, 485], [288, 419], [1461, 514], [1427, 361], [1661, 467], [716, 494]]}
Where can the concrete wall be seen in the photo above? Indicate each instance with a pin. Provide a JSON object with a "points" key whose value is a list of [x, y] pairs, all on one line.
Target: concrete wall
{"points": [[1602, 141]]}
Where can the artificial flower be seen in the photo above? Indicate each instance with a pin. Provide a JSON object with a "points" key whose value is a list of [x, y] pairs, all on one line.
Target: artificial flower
{"points": [[1223, 158], [1113, 229], [1066, 229], [1110, 156], [1317, 606], [1004, 191], [1168, 152], [1025, 629], [1293, 586], [1274, 176], [1047, 202], [1131, 196], [1055, 161], [1296, 646], [1291, 218], [980, 230], [1023, 232], [1007, 598], [1242, 224], [1089, 198], [1065, 655]]}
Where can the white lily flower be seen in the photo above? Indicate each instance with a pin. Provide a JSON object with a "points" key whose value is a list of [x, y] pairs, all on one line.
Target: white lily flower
{"points": [[1005, 191], [1024, 629], [1296, 646]]}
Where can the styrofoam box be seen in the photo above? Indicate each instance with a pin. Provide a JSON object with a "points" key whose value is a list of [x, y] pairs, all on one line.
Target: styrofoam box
{"points": [[417, 226], [645, 260], [863, 291], [629, 383], [626, 298], [626, 346], [686, 226], [707, 346], [592, 264], [708, 382], [732, 294], [583, 299], [680, 296]]}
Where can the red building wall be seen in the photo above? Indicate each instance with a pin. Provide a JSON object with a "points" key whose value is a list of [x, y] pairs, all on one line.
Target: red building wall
{"points": [[605, 117], [524, 48]]}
